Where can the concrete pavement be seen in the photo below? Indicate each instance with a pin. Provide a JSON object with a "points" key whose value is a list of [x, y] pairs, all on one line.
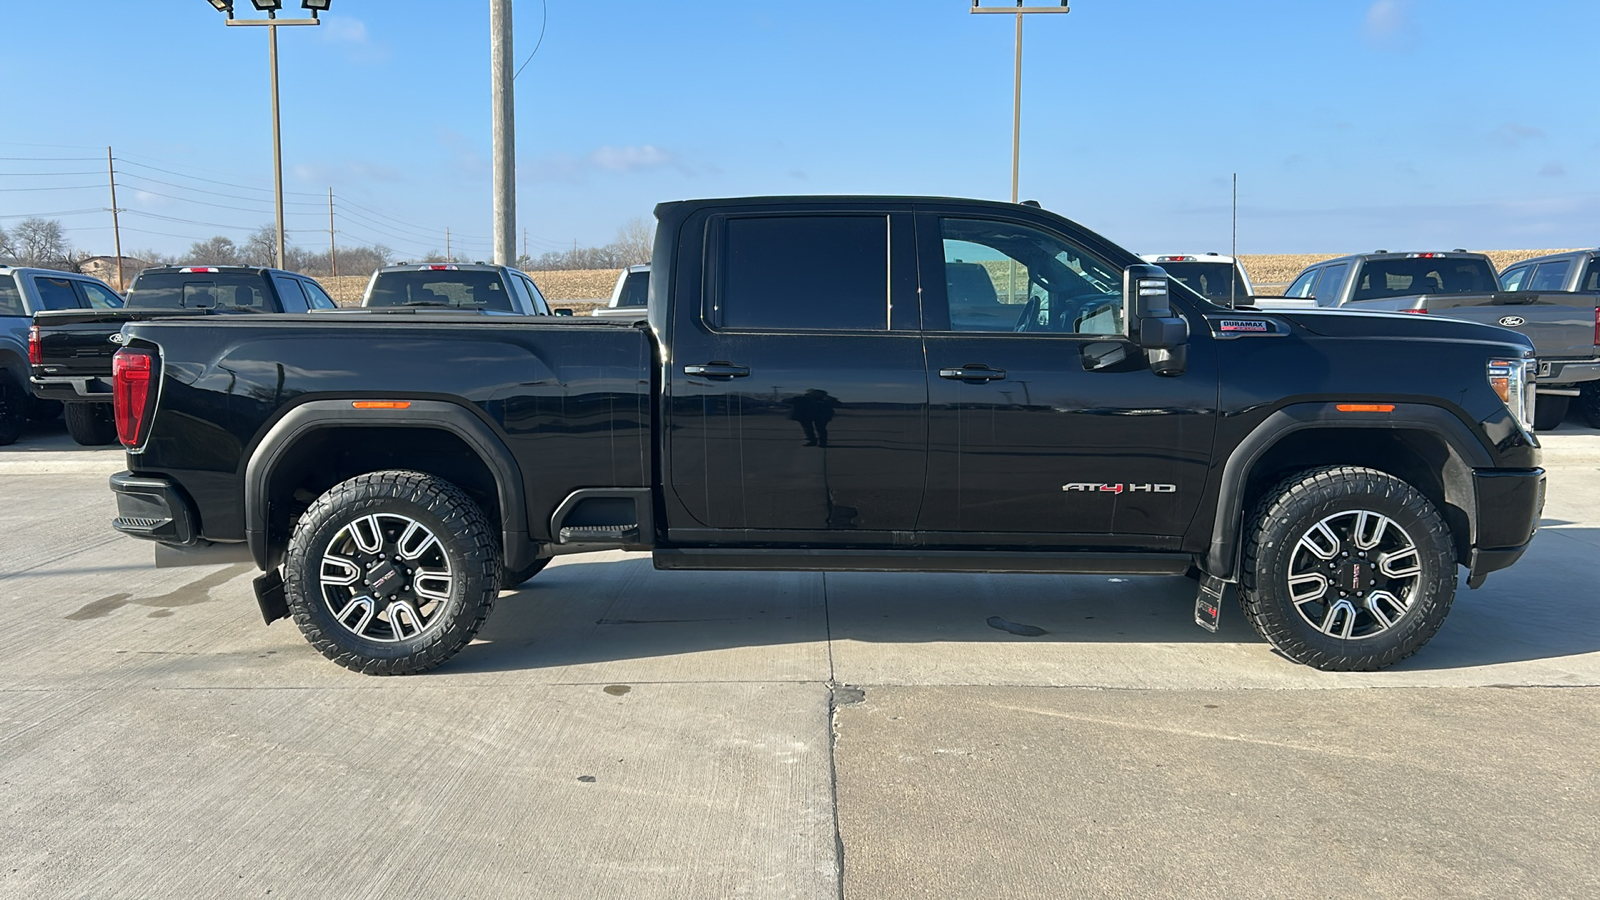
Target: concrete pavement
{"points": [[621, 731]]}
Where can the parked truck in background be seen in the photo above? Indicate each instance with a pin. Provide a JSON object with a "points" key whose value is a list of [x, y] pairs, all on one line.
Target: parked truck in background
{"points": [[70, 351], [25, 293], [1220, 279], [479, 287], [1542, 299], [811, 394], [629, 299]]}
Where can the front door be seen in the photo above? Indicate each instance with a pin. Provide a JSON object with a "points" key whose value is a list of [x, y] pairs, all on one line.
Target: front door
{"points": [[1033, 438], [797, 395]]}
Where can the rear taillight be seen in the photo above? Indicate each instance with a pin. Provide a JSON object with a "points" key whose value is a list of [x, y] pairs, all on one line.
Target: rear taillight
{"points": [[131, 374], [1419, 312], [36, 350]]}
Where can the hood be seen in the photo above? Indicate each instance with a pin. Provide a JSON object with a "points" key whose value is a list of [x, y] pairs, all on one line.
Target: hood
{"points": [[1349, 323]]}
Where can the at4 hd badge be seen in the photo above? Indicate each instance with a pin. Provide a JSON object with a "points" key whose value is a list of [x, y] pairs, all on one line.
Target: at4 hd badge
{"points": [[1100, 488]]}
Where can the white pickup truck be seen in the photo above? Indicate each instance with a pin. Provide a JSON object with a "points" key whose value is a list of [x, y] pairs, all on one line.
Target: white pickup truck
{"points": [[629, 297]]}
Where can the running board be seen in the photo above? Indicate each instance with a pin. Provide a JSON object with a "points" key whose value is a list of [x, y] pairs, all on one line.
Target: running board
{"points": [[981, 561]]}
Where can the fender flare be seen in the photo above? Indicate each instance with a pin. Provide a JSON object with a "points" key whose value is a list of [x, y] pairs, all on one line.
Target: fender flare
{"points": [[440, 415], [1227, 529]]}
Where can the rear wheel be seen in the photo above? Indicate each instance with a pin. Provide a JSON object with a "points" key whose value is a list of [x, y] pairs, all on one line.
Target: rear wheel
{"points": [[392, 573], [13, 409], [92, 424], [1549, 410], [1589, 403], [1347, 569]]}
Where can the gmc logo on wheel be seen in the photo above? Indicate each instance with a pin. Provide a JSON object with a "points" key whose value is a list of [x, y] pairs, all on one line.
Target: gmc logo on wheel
{"points": [[1102, 488]]}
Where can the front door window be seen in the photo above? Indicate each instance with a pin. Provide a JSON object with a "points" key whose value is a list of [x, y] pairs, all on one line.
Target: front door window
{"points": [[1005, 277]]}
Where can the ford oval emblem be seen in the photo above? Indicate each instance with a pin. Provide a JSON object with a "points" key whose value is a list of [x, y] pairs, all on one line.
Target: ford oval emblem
{"points": [[1513, 321]]}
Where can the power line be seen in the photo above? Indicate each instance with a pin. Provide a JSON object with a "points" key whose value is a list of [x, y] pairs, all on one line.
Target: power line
{"points": [[42, 174], [151, 215], [75, 187], [544, 19], [51, 215], [184, 187], [381, 215], [242, 187]]}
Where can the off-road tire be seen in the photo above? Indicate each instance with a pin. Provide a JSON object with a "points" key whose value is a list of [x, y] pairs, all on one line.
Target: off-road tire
{"points": [[1589, 403], [92, 424], [1549, 411], [510, 581], [464, 534], [1289, 511], [13, 409]]}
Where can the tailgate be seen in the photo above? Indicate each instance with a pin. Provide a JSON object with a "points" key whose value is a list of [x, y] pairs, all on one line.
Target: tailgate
{"points": [[77, 343], [1560, 324]]}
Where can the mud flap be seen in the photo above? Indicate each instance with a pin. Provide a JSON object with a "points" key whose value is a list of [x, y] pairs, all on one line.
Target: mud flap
{"points": [[1208, 602], [269, 596]]}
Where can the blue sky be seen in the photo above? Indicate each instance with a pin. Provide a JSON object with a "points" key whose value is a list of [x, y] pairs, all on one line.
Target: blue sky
{"points": [[1353, 124]]}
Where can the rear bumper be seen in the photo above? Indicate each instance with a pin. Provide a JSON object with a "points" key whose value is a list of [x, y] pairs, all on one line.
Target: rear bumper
{"points": [[1568, 372], [1510, 502], [153, 509], [69, 389]]}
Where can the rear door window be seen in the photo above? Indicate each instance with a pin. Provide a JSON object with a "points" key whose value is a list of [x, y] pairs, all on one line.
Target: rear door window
{"points": [[804, 273], [1512, 279], [290, 293], [1330, 284], [635, 289], [1591, 281], [1550, 276], [56, 293], [10, 297]]}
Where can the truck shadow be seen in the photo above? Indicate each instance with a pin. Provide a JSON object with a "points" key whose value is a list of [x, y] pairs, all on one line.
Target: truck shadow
{"points": [[614, 607]]}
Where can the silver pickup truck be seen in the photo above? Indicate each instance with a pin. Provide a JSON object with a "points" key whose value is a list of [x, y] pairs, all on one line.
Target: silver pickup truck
{"points": [[1554, 300]]}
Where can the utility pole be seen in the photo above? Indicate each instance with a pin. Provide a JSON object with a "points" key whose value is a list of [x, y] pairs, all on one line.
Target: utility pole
{"points": [[116, 229], [1233, 299], [448, 256], [524, 242], [505, 143], [333, 248], [1016, 103]]}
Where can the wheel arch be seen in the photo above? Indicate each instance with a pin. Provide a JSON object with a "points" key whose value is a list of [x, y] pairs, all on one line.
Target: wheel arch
{"points": [[1426, 446], [442, 438]]}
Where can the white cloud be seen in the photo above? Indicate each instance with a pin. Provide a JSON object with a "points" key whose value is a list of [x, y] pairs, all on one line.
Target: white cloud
{"points": [[1389, 26], [1553, 170], [641, 158]]}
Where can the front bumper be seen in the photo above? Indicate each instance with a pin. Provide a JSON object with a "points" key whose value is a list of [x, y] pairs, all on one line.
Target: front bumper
{"points": [[153, 509], [71, 390], [1510, 502]]}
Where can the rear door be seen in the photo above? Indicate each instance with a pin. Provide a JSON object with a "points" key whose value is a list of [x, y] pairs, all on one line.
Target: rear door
{"points": [[796, 394], [1027, 446]]}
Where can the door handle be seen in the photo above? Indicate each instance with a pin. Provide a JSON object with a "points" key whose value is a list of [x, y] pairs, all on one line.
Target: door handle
{"points": [[717, 370], [972, 374]]}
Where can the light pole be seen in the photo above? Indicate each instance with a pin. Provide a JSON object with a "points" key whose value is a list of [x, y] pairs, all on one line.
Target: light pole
{"points": [[1016, 104], [271, 23]]}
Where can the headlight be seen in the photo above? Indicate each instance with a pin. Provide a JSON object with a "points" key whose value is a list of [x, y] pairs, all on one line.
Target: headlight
{"points": [[1512, 379]]}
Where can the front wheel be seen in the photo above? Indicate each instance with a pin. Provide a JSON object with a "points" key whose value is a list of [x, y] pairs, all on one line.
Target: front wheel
{"points": [[91, 424], [1347, 569], [392, 573]]}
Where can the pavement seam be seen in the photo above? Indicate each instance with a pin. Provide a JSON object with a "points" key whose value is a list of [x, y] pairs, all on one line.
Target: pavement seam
{"points": [[833, 737]]}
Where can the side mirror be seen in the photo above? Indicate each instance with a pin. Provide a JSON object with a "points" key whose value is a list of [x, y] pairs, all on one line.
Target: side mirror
{"points": [[1147, 303], [563, 311]]}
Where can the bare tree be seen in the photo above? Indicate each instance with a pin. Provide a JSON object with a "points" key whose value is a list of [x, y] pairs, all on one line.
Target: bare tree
{"points": [[7, 248], [635, 242], [41, 242], [219, 251]]}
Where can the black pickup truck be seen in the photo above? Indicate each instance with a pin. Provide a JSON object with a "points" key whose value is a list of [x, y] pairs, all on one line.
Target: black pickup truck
{"points": [[71, 350], [799, 400]]}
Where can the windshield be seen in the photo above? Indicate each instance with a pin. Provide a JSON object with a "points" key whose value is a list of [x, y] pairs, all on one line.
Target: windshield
{"points": [[1382, 278], [455, 288], [230, 291], [635, 290], [1216, 281]]}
